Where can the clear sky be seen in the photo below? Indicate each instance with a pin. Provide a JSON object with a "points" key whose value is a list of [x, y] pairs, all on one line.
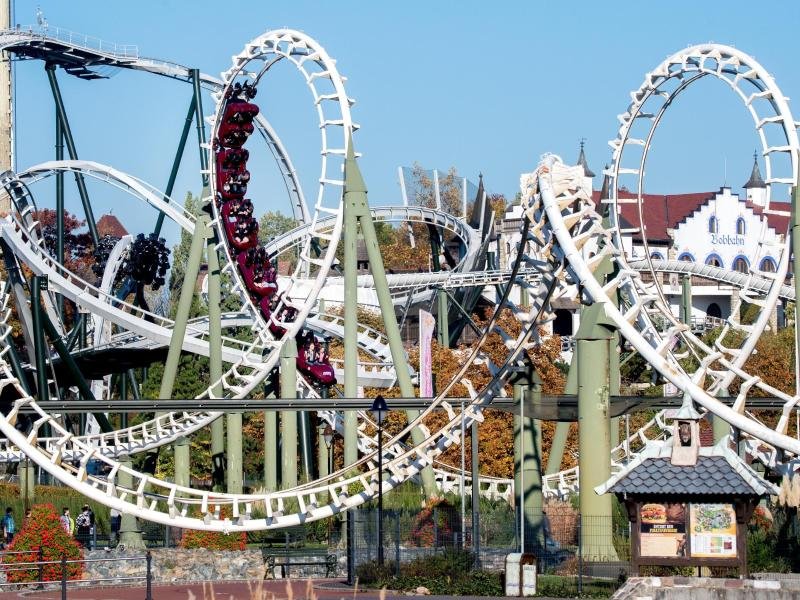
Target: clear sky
{"points": [[479, 86]]}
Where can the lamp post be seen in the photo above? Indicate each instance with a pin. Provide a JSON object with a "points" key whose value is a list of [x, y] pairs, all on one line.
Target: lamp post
{"points": [[327, 435], [379, 411]]}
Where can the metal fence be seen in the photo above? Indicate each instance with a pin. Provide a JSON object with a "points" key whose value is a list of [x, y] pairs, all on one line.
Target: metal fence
{"points": [[20, 571], [573, 554]]}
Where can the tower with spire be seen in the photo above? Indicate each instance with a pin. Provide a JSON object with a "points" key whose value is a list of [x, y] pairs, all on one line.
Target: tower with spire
{"points": [[755, 187], [587, 172]]}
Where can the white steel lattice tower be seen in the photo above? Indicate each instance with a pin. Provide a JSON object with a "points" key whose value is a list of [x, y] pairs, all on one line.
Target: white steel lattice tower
{"points": [[6, 121]]}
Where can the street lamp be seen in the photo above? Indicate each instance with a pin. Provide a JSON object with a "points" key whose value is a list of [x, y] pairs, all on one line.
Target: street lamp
{"points": [[327, 434], [379, 411]]}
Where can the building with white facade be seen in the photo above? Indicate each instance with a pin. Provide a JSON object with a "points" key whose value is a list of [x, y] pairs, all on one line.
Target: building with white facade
{"points": [[719, 228]]}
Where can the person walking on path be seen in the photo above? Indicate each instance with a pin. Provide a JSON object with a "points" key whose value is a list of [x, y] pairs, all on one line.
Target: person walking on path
{"points": [[67, 522], [9, 528], [83, 526]]}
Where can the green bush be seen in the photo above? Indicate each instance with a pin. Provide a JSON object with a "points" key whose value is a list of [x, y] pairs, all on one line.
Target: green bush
{"points": [[452, 563], [762, 555], [372, 574]]}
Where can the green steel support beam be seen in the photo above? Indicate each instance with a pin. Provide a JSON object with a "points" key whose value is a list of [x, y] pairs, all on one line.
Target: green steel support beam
{"points": [[60, 206], [442, 324], [215, 357], [559, 442], [304, 425], [74, 371], [686, 300], [288, 417], [40, 348], [270, 451], [73, 153], [594, 344], [476, 491], [176, 163], [182, 467], [467, 318], [796, 272], [350, 237], [27, 482], [234, 461], [182, 316], [528, 467], [201, 126], [130, 536], [357, 213]]}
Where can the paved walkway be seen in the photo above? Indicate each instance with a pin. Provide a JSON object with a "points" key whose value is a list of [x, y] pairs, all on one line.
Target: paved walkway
{"points": [[293, 589]]}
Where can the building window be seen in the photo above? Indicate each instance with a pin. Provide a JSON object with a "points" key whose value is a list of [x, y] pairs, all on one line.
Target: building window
{"points": [[714, 260], [686, 257], [712, 225], [656, 256], [740, 227], [768, 265], [740, 264]]}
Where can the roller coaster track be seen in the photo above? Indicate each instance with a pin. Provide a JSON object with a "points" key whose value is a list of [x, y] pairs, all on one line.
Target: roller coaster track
{"points": [[555, 203]]}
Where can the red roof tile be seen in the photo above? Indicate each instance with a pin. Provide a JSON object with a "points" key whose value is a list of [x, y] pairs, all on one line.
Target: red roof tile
{"points": [[660, 211], [110, 225]]}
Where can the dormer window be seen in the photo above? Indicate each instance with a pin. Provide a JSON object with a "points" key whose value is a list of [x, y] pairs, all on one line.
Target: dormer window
{"points": [[713, 225], [740, 265], [740, 226]]}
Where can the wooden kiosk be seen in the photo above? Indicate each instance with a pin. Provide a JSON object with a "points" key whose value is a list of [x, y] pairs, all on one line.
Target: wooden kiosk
{"points": [[688, 505]]}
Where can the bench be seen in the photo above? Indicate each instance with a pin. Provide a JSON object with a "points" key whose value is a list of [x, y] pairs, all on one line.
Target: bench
{"points": [[285, 561]]}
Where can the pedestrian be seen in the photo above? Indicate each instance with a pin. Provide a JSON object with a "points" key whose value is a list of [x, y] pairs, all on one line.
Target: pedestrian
{"points": [[9, 528], [116, 521], [67, 522], [92, 536], [83, 527]]}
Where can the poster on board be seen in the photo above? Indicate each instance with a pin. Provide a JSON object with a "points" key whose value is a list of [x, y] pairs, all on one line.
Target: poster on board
{"points": [[713, 530], [662, 529]]}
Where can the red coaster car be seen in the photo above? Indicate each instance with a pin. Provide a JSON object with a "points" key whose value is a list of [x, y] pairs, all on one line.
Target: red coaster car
{"points": [[242, 233], [313, 362], [259, 276], [287, 314], [233, 135], [240, 112]]}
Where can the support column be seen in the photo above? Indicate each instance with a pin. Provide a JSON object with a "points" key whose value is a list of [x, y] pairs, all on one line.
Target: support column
{"points": [[559, 442], [27, 482], [355, 205], [796, 269], [528, 465], [594, 341], [182, 317], [130, 536], [442, 323], [289, 417], [719, 425], [40, 348], [235, 462], [182, 474], [73, 153], [304, 425], [686, 300], [476, 491]]}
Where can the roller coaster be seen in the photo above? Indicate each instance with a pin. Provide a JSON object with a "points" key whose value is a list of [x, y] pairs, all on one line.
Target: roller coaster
{"points": [[571, 247]]}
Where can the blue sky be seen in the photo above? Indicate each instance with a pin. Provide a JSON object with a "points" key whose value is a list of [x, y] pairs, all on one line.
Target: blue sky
{"points": [[483, 87]]}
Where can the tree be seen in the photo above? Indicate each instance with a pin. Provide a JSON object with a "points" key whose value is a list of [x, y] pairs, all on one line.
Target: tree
{"points": [[274, 223]]}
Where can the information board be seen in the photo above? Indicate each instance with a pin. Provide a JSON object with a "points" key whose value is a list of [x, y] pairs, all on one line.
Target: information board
{"points": [[713, 531]]}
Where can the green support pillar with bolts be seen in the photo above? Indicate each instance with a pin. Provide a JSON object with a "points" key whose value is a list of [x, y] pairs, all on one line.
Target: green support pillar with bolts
{"points": [[686, 300], [356, 213], [130, 536], [595, 342], [288, 417], [528, 464]]}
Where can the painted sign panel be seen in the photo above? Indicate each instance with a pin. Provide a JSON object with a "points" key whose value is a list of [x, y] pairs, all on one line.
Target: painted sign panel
{"points": [[713, 530], [663, 529]]}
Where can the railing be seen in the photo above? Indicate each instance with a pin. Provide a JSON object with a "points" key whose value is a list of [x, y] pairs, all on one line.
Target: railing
{"points": [[84, 41], [63, 564]]}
